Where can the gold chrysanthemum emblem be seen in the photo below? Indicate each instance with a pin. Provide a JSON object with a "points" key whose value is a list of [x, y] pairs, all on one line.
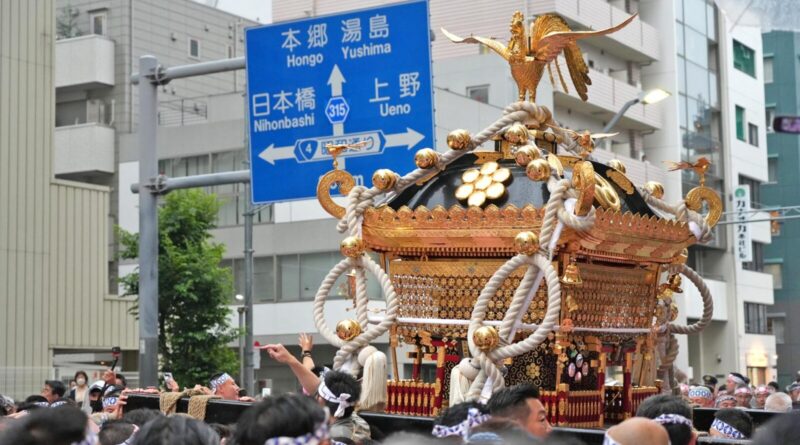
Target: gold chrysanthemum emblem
{"points": [[533, 371], [481, 185]]}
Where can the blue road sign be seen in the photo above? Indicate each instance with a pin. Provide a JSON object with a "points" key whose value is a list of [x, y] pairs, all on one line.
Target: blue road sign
{"points": [[357, 77]]}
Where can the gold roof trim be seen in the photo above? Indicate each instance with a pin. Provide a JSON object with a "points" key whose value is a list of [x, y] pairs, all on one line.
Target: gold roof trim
{"points": [[491, 231]]}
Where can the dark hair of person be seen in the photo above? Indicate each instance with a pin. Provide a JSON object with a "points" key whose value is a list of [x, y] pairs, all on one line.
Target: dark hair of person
{"points": [[563, 438], [780, 429], [458, 413], [722, 387], [224, 431], [30, 403], [657, 405], [53, 426], [288, 415], [342, 382], [774, 385], [738, 419], [507, 431], [57, 386], [115, 432], [83, 373], [123, 380], [141, 416], [343, 440], [176, 430], [318, 370], [511, 402]]}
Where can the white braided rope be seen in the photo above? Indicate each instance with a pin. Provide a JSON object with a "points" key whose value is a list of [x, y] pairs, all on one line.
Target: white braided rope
{"points": [[661, 208], [708, 304], [348, 350]]}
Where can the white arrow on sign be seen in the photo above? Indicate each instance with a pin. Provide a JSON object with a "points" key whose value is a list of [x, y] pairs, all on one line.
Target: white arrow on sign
{"points": [[335, 80], [272, 153], [410, 138]]}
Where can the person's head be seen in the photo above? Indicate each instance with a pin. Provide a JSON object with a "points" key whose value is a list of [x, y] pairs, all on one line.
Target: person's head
{"points": [[110, 402], [521, 403], [52, 426], [141, 416], [783, 429], [34, 401], [53, 390], [339, 391], [636, 431], [673, 413], [731, 423], [286, 416], [701, 396], [794, 391], [743, 395], [725, 401], [710, 380], [774, 385], [779, 401], [735, 379], [459, 420], [224, 386], [499, 430], [115, 432], [176, 430], [225, 432], [121, 381], [81, 379], [761, 394]]}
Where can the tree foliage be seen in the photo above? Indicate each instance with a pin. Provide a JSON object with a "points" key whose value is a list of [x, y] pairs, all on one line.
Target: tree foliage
{"points": [[67, 23], [194, 290]]}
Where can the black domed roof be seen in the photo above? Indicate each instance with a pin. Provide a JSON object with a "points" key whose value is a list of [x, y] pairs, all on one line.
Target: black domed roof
{"points": [[521, 191]]}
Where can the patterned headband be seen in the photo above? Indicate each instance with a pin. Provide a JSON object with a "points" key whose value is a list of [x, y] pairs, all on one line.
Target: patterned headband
{"points": [[109, 401], [320, 434], [342, 399], [763, 389], [723, 398], [129, 440], [737, 379], [743, 390], [700, 391], [58, 403], [217, 382], [727, 430], [42, 404], [474, 418], [673, 419]]}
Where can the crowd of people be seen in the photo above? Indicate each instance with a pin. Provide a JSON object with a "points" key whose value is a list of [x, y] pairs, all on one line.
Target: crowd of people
{"points": [[326, 413]]}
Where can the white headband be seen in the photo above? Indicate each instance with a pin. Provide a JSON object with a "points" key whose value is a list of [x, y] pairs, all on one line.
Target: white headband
{"points": [[130, 438], [217, 382], [673, 419], [474, 418], [342, 399], [737, 379]]}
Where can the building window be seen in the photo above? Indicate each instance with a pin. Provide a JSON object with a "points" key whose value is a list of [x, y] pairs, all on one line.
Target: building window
{"points": [[776, 270], [479, 93], [757, 265], [755, 190], [740, 123], [775, 326], [194, 48], [768, 69], [744, 58], [97, 22], [770, 116], [755, 318], [752, 134], [772, 169]]}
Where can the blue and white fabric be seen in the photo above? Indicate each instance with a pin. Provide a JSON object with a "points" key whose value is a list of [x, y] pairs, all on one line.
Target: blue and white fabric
{"points": [[319, 435], [110, 401], [342, 399], [474, 418], [673, 419], [219, 381], [727, 430]]}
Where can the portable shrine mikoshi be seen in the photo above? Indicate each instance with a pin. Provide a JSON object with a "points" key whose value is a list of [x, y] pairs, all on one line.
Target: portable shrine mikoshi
{"points": [[530, 262]]}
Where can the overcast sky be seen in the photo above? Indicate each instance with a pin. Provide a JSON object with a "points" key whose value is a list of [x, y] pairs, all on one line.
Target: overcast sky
{"points": [[260, 10]]}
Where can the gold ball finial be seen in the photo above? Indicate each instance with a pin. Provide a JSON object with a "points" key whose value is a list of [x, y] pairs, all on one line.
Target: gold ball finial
{"points": [[656, 189], [517, 133], [384, 179], [617, 165], [538, 170], [486, 338], [426, 158], [348, 329], [526, 243], [352, 247], [525, 154], [459, 139]]}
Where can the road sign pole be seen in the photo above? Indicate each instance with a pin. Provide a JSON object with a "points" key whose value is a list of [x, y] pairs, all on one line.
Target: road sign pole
{"points": [[248, 294], [148, 225]]}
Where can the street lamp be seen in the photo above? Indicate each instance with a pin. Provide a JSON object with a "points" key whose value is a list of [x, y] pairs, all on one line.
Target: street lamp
{"points": [[645, 97], [241, 309]]}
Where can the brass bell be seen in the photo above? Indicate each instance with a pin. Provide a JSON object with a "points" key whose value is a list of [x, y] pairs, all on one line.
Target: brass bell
{"points": [[572, 275], [348, 329], [486, 338]]}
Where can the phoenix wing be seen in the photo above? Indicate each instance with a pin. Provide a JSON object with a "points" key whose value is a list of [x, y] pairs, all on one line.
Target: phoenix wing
{"points": [[550, 35], [683, 165], [492, 44]]}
